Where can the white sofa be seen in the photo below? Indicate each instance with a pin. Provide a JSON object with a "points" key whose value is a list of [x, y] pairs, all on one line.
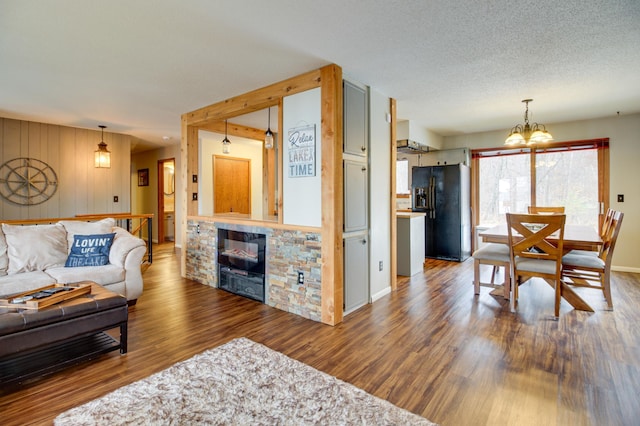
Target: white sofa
{"points": [[33, 256]]}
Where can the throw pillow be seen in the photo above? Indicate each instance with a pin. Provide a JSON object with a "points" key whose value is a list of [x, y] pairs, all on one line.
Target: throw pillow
{"points": [[90, 250], [74, 227], [4, 258], [35, 247]]}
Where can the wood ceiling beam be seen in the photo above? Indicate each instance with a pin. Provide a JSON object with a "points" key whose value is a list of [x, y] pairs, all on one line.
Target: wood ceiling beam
{"points": [[237, 130], [253, 101]]}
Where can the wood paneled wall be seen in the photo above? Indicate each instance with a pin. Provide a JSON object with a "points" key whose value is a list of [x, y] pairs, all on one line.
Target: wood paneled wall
{"points": [[82, 189]]}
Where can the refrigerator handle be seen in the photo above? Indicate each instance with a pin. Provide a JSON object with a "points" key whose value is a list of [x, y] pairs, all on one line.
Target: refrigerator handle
{"points": [[433, 198], [429, 198]]}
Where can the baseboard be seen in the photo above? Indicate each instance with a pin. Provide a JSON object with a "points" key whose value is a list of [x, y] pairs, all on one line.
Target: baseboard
{"points": [[380, 294], [625, 269]]}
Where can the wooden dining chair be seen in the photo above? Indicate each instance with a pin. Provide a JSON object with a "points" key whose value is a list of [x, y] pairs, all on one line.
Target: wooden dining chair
{"points": [[586, 270], [536, 247], [545, 210], [604, 229], [496, 255]]}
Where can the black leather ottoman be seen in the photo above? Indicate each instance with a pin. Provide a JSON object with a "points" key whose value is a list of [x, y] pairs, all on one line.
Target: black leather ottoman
{"points": [[37, 342]]}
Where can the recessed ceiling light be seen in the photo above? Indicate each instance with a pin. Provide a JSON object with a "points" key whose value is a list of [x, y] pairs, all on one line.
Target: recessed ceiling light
{"points": [[166, 138]]}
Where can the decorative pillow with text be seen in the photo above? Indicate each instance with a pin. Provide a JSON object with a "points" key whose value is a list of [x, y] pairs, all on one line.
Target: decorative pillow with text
{"points": [[90, 250]]}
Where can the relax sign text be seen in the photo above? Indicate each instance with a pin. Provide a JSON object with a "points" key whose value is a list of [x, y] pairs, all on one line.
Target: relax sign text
{"points": [[302, 151]]}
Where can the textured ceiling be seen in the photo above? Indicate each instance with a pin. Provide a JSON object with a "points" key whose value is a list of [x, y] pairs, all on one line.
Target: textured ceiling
{"points": [[454, 66]]}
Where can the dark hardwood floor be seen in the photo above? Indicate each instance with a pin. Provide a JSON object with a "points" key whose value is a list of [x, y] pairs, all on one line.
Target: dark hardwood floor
{"points": [[431, 348]]}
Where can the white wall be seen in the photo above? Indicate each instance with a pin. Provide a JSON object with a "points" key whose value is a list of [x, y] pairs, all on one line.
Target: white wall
{"points": [[624, 135], [302, 196], [379, 194], [210, 145], [81, 188]]}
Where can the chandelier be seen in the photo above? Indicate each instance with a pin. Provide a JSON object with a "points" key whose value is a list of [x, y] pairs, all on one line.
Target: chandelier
{"points": [[528, 134]]}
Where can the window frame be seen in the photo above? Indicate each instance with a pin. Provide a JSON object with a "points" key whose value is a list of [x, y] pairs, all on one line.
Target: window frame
{"points": [[601, 145]]}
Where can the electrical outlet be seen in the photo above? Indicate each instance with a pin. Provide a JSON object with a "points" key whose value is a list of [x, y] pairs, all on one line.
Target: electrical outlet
{"points": [[621, 198], [194, 196], [115, 198], [300, 277], [380, 266], [194, 178]]}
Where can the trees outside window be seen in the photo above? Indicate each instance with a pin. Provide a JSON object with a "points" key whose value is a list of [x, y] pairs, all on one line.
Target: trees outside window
{"points": [[571, 174]]}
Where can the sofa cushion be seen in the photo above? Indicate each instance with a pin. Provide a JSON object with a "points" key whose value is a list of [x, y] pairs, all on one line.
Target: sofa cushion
{"points": [[74, 227], [103, 275], [90, 250], [4, 257], [27, 281], [35, 247]]}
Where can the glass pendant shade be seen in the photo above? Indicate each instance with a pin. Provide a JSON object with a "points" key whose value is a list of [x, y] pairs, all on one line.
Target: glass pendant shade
{"points": [[226, 146], [268, 135], [268, 139], [515, 138], [226, 143], [102, 156]]}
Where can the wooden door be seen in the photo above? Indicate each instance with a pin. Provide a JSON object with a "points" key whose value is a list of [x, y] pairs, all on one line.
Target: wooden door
{"points": [[231, 185]]}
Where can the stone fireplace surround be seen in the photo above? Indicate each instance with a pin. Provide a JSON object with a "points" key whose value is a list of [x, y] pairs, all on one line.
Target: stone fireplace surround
{"points": [[288, 251]]}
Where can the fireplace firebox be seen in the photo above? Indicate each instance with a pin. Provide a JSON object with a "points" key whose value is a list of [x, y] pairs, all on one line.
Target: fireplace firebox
{"points": [[241, 263]]}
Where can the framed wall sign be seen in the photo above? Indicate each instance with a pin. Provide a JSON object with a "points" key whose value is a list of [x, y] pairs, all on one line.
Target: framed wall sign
{"points": [[302, 151], [143, 177]]}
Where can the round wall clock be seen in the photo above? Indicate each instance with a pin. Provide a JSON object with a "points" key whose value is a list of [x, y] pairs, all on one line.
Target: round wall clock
{"points": [[27, 181]]}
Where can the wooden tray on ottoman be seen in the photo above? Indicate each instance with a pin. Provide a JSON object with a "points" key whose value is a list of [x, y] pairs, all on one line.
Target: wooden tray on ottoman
{"points": [[77, 289]]}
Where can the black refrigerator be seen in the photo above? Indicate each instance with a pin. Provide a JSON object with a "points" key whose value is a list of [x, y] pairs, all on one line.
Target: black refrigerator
{"points": [[443, 193]]}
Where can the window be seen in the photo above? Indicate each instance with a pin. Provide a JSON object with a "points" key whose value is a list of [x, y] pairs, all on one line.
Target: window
{"points": [[402, 177], [570, 179], [570, 174], [505, 186]]}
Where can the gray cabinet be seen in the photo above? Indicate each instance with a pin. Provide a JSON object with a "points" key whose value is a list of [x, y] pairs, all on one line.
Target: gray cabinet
{"points": [[446, 156], [356, 123], [356, 190], [356, 272], [355, 160], [410, 243]]}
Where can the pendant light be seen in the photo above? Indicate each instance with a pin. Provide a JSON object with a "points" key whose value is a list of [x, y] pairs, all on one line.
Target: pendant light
{"points": [[268, 135], [528, 134], [226, 143], [102, 155]]}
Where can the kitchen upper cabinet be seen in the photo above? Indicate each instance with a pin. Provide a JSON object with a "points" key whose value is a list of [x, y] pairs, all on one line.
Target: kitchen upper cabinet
{"points": [[356, 121]]}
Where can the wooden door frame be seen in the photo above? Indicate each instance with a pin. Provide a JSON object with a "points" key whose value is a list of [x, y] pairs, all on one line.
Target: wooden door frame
{"points": [[160, 220]]}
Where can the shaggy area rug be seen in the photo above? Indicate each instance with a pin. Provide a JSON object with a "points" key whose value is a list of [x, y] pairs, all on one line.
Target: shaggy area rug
{"points": [[239, 383]]}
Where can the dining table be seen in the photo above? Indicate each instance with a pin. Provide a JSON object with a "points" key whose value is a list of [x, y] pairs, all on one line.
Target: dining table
{"points": [[576, 237]]}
